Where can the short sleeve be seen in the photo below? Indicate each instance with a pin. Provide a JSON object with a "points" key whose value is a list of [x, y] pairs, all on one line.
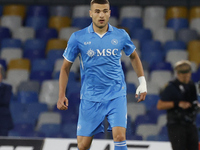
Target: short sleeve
{"points": [[71, 50], [129, 47]]}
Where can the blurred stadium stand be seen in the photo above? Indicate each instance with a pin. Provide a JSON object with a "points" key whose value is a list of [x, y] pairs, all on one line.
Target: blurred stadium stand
{"points": [[32, 61]]}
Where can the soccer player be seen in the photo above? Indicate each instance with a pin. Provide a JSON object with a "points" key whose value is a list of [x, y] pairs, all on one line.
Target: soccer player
{"points": [[103, 91]]}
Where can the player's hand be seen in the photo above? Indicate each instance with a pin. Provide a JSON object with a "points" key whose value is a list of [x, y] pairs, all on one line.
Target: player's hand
{"points": [[140, 95], [184, 104], [141, 91], [62, 103]]}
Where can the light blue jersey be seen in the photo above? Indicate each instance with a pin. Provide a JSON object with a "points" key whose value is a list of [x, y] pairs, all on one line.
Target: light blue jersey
{"points": [[102, 77]]}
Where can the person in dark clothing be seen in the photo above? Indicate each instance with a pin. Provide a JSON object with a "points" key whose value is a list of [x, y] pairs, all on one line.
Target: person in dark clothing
{"points": [[179, 98], [6, 123]]}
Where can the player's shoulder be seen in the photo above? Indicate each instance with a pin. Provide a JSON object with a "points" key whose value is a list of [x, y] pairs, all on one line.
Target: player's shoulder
{"points": [[80, 33], [122, 31]]}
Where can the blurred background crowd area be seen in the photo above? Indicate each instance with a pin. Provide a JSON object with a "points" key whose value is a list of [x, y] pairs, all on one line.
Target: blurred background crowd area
{"points": [[33, 39]]}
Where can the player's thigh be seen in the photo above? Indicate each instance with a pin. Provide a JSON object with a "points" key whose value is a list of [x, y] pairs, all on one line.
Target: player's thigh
{"points": [[91, 116], [117, 116], [84, 141], [119, 134]]}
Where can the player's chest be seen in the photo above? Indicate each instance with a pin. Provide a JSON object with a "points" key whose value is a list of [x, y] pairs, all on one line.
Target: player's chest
{"points": [[101, 47]]}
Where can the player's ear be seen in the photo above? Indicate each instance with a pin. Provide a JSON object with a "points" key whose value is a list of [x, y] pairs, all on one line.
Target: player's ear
{"points": [[90, 12]]}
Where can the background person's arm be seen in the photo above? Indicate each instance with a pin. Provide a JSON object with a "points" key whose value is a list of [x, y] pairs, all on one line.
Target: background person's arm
{"points": [[164, 105]]}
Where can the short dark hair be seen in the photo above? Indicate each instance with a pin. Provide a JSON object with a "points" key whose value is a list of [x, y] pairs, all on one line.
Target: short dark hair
{"points": [[99, 2]]}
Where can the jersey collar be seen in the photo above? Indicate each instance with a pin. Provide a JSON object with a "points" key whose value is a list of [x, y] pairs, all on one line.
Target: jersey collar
{"points": [[91, 30]]}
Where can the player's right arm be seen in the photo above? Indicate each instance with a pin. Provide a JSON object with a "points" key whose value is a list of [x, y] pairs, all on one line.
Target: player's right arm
{"points": [[69, 55], [62, 103]]}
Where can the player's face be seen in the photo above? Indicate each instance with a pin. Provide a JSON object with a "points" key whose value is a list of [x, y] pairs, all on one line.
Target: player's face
{"points": [[100, 14]]}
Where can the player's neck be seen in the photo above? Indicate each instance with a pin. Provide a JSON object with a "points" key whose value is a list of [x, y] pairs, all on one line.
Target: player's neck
{"points": [[100, 30]]}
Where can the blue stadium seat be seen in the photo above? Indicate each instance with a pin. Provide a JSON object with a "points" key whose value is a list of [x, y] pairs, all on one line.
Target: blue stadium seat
{"points": [[81, 22], [161, 66], [152, 57], [178, 23], [150, 45], [23, 128], [42, 64], [50, 129], [74, 99], [34, 109], [34, 49], [141, 34], [131, 88], [4, 33], [131, 23], [70, 117], [3, 63], [198, 120], [47, 33], [13, 133], [38, 134], [134, 137], [129, 131], [99, 136], [174, 45], [9, 42], [27, 97], [73, 76], [24, 118], [157, 138], [69, 133], [53, 55], [144, 119], [37, 10], [155, 112], [196, 76], [56, 75], [34, 54], [151, 101], [16, 108], [37, 22], [40, 75], [114, 11], [73, 87]]}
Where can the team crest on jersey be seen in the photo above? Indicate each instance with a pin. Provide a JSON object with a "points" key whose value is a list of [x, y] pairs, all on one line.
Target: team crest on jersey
{"points": [[114, 41], [90, 53]]}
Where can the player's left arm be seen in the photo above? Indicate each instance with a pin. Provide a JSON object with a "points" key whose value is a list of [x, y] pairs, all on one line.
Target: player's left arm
{"points": [[141, 91]]}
